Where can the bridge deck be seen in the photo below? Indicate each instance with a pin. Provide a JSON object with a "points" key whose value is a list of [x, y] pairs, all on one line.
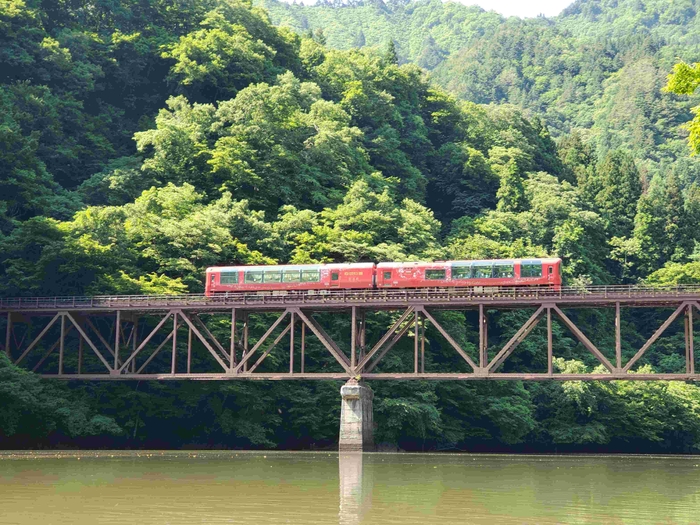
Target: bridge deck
{"points": [[512, 297]]}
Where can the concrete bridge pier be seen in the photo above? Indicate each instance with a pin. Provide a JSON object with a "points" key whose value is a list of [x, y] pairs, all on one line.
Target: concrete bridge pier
{"points": [[356, 418]]}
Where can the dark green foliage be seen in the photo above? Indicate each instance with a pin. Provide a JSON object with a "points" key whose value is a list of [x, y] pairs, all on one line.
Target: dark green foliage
{"points": [[142, 141]]}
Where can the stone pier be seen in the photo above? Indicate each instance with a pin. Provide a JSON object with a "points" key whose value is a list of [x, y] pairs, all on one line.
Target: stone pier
{"points": [[356, 419]]}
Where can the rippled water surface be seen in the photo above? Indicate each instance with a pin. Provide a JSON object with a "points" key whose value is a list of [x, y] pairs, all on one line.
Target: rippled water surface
{"points": [[228, 487]]}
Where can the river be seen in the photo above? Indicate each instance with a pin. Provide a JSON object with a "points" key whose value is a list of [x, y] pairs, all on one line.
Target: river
{"points": [[308, 488]]}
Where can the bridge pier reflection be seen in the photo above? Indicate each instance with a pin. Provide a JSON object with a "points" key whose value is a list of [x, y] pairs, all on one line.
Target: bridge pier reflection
{"points": [[355, 488]]}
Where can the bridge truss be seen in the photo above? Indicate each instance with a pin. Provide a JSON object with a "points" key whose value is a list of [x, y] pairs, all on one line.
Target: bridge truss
{"points": [[129, 337]]}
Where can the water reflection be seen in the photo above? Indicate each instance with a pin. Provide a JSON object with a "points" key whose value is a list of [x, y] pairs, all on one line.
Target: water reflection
{"points": [[355, 488], [325, 488]]}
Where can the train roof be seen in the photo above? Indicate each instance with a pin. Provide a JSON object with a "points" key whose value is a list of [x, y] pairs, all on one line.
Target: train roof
{"points": [[414, 264], [332, 266]]}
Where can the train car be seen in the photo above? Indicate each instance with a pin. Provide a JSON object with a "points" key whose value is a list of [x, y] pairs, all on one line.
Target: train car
{"points": [[289, 278], [486, 274]]}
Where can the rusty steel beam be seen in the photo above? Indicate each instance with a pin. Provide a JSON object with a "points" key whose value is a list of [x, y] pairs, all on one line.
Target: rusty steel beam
{"points": [[117, 331], [269, 349], [8, 335], [518, 338], [384, 376], [137, 349], [232, 347], [303, 345], [38, 338], [222, 353], [507, 297], [450, 340], [550, 345], [325, 340], [50, 351], [88, 341], [157, 350], [583, 339], [291, 344], [384, 339], [206, 344], [397, 337], [618, 338], [360, 363], [654, 337], [246, 357]]}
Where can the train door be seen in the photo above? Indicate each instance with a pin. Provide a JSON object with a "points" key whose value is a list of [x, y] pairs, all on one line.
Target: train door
{"points": [[335, 278], [386, 277]]}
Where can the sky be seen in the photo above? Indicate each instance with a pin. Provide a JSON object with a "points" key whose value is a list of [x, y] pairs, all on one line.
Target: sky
{"points": [[521, 8]]}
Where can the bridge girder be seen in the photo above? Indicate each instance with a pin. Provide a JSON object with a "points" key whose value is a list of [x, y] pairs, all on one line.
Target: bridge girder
{"points": [[126, 335]]}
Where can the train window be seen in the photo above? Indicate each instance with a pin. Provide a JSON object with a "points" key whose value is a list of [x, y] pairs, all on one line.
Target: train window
{"points": [[387, 276], [462, 272], [213, 278], [551, 270], [334, 276], [310, 276], [291, 276], [435, 275], [482, 270], [531, 269], [228, 278], [273, 276], [503, 270], [253, 277]]}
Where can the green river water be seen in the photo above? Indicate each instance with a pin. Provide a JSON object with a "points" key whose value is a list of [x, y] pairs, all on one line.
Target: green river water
{"points": [[325, 488]]}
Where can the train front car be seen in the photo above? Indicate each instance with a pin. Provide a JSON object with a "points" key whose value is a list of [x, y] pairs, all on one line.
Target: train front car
{"points": [[297, 278], [481, 276]]}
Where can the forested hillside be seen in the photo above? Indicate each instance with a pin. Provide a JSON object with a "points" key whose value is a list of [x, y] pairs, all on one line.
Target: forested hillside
{"points": [[598, 67], [141, 142]]}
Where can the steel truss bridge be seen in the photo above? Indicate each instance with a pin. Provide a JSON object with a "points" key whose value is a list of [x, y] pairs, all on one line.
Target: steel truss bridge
{"points": [[122, 335]]}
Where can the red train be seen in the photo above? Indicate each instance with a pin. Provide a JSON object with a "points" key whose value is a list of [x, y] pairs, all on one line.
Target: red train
{"points": [[311, 278]]}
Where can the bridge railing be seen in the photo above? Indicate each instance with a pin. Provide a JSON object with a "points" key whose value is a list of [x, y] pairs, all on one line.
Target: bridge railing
{"points": [[341, 296]]}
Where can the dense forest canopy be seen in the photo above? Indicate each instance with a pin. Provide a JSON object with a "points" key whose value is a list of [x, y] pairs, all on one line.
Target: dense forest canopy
{"points": [[142, 141]]}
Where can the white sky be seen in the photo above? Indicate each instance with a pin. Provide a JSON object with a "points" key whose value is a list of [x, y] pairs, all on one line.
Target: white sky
{"points": [[521, 8]]}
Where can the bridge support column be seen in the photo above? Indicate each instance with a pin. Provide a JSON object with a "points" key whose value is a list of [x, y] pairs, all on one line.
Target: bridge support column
{"points": [[356, 418]]}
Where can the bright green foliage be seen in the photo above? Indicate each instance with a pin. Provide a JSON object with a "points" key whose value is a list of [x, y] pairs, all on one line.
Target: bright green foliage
{"points": [[142, 142], [676, 273], [684, 80]]}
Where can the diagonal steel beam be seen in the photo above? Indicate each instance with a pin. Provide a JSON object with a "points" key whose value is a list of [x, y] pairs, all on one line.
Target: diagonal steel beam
{"points": [[449, 338], [202, 339], [260, 342], [314, 326], [654, 337], [328, 338], [99, 336], [38, 338], [269, 348], [224, 355], [391, 344], [89, 341], [385, 338], [157, 350], [583, 339], [51, 350], [145, 341], [518, 338]]}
